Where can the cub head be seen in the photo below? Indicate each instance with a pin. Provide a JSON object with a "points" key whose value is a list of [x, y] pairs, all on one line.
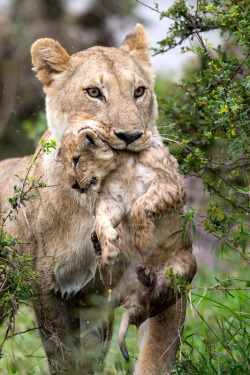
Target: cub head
{"points": [[86, 158], [114, 86]]}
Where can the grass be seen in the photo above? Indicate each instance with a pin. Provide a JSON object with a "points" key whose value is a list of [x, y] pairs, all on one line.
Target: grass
{"points": [[216, 339], [24, 354]]}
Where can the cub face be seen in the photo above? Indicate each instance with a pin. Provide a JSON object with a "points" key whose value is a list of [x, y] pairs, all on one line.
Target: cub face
{"points": [[86, 158], [114, 86]]}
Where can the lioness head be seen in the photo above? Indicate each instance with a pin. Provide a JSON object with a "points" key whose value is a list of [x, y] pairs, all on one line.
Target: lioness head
{"points": [[86, 158], [114, 86]]}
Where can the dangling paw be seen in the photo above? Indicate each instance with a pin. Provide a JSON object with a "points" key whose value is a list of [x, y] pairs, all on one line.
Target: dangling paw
{"points": [[96, 243], [110, 247], [146, 276]]}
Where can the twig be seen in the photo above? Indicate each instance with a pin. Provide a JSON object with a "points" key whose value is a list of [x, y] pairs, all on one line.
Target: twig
{"points": [[148, 6], [21, 333]]}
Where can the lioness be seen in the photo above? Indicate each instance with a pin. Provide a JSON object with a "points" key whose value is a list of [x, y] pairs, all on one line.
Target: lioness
{"points": [[113, 86], [140, 196]]}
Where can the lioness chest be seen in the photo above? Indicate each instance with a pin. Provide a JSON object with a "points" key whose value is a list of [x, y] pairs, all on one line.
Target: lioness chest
{"points": [[55, 227]]}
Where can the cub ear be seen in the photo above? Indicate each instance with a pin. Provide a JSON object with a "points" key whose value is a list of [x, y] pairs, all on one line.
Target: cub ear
{"points": [[136, 43], [87, 138], [48, 57]]}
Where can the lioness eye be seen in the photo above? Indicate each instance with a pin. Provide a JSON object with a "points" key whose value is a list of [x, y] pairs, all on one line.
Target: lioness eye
{"points": [[139, 91], [94, 92], [76, 160]]}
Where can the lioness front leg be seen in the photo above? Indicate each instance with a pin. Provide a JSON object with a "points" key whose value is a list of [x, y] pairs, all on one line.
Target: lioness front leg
{"points": [[59, 329], [75, 332], [109, 214], [154, 294], [159, 340]]}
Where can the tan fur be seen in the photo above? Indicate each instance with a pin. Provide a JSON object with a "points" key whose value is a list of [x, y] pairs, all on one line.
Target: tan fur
{"points": [[48, 57], [140, 196], [56, 228], [115, 72]]}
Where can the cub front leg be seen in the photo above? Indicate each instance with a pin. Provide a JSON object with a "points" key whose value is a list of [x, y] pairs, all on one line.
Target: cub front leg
{"points": [[165, 195], [109, 214], [158, 202]]}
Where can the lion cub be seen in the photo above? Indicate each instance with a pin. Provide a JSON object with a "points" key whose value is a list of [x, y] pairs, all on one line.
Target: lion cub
{"points": [[138, 199]]}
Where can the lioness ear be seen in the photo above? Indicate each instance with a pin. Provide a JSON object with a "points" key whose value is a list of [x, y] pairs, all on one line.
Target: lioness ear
{"points": [[136, 43], [48, 56]]}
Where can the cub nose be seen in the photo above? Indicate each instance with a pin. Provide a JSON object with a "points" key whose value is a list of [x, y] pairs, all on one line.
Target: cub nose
{"points": [[128, 137], [75, 185]]}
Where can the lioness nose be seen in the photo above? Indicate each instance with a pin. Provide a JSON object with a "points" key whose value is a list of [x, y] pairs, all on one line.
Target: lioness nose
{"points": [[128, 137]]}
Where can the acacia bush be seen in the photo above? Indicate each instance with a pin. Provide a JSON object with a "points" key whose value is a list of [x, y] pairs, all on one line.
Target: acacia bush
{"points": [[16, 269], [204, 119], [208, 113]]}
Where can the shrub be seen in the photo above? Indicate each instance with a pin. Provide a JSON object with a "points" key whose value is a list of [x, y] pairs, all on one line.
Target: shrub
{"points": [[204, 119]]}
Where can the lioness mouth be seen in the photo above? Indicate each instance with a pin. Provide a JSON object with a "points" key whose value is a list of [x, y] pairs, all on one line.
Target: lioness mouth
{"points": [[89, 185]]}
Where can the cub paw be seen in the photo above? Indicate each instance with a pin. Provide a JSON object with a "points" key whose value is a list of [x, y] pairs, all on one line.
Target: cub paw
{"points": [[146, 276], [110, 250], [96, 243]]}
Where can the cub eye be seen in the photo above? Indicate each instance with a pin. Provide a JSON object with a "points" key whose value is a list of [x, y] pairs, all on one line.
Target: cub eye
{"points": [[94, 92], [139, 91], [76, 160]]}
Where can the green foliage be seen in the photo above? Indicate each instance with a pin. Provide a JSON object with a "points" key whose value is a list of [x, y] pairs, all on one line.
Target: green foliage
{"points": [[204, 119], [216, 337], [35, 129], [207, 113], [217, 332], [16, 270]]}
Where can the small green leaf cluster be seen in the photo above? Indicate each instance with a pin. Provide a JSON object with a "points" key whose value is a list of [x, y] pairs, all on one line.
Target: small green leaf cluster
{"points": [[16, 276], [16, 271], [227, 226], [179, 284], [48, 145], [28, 183]]}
